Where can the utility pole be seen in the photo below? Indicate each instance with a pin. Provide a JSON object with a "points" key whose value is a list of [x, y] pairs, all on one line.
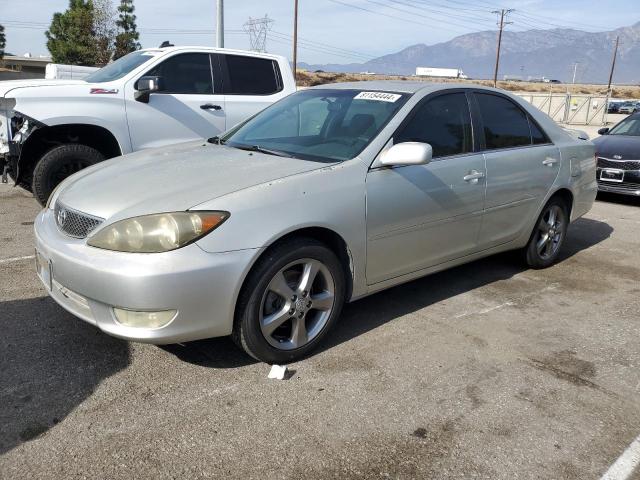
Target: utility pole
{"points": [[503, 13], [613, 64], [295, 38], [575, 69], [220, 24]]}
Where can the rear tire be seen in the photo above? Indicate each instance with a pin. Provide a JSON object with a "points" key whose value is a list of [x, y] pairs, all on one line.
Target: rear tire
{"points": [[548, 235], [289, 301], [59, 163]]}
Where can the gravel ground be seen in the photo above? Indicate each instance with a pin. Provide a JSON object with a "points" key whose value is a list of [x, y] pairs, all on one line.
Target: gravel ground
{"points": [[488, 370]]}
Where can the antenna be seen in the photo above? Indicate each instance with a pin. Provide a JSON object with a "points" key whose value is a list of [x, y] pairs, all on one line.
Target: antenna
{"points": [[257, 29]]}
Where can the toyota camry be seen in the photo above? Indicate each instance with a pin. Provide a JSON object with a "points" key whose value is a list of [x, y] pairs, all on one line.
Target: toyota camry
{"points": [[331, 194]]}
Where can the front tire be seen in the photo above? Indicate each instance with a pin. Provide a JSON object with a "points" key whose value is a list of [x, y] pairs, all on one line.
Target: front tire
{"points": [[548, 235], [290, 301], [59, 163]]}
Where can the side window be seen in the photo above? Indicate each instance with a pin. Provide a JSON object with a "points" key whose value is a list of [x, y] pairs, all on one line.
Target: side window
{"points": [[188, 73], [251, 76], [443, 122], [537, 135], [505, 124]]}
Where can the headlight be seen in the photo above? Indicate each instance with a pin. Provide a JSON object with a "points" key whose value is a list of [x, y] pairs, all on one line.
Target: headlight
{"points": [[157, 233]]}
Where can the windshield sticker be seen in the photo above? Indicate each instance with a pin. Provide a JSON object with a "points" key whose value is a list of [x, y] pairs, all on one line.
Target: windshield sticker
{"points": [[378, 96]]}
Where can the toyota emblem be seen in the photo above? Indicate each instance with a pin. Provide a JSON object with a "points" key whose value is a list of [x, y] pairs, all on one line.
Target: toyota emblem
{"points": [[62, 216], [617, 157]]}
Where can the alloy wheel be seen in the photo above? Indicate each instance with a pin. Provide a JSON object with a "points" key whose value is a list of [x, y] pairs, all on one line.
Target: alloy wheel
{"points": [[550, 231], [297, 304]]}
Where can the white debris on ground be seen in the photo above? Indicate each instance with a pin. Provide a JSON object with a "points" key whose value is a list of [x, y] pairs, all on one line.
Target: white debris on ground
{"points": [[278, 372]]}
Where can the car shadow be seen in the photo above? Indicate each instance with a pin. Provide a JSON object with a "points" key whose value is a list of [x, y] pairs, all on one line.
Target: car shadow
{"points": [[371, 312], [50, 362], [212, 352]]}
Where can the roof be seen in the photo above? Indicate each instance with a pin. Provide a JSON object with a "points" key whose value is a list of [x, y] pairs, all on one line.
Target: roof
{"points": [[400, 86], [213, 50]]}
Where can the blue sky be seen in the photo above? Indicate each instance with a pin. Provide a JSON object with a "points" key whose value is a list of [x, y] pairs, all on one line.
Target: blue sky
{"points": [[331, 31]]}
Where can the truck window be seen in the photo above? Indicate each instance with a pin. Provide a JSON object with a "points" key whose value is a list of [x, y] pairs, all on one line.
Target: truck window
{"points": [[250, 75], [186, 73]]}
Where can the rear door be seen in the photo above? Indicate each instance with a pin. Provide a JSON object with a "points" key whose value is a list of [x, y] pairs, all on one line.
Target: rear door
{"points": [[249, 83], [522, 165], [187, 109], [422, 215]]}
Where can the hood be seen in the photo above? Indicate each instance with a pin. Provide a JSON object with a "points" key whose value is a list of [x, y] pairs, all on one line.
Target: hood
{"points": [[626, 146], [173, 178], [8, 85]]}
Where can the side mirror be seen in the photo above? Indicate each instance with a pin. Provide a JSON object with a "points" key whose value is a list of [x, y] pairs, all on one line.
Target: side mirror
{"points": [[147, 86], [407, 153], [603, 131]]}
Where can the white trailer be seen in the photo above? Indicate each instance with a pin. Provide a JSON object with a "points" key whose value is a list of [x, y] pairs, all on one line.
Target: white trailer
{"points": [[67, 72], [440, 72]]}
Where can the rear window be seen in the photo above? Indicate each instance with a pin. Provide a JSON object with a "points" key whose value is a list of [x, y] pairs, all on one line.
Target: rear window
{"points": [[505, 124], [538, 137], [250, 75]]}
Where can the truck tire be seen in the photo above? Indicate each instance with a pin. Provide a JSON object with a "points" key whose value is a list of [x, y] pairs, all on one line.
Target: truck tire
{"points": [[59, 163]]}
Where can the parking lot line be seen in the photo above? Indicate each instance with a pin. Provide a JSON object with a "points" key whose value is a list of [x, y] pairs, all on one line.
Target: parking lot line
{"points": [[16, 259], [626, 463]]}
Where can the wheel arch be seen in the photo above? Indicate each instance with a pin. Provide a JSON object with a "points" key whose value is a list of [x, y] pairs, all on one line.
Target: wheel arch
{"points": [[333, 240], [566, 195], [47, 137]]}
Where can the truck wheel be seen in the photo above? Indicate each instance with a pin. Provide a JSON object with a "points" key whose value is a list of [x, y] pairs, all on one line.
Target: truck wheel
{"points": [[59, 163]]}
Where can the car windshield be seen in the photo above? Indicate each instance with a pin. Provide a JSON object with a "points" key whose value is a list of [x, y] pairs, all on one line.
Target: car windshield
{"points": [[120, 67], [629, 126], [325, 125]]}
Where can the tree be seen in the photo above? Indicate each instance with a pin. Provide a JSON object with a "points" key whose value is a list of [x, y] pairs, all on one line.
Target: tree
{"points": [[104, 27], [3, 42], [128, 36], [71, 36]]}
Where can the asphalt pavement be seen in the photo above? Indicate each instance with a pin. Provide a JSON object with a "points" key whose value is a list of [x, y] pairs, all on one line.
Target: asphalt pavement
{"points": [[489, 370]]}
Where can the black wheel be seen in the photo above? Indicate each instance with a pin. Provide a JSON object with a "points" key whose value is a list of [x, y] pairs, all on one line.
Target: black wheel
{"points": [[59, 163], [290, 301], [548, 235]]}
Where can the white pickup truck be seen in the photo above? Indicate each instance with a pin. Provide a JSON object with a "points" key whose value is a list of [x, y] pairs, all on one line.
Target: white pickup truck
{"points": [[49, 129]]}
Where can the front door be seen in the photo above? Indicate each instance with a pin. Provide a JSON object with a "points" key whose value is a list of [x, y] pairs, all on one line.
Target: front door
{"points": [[522, 165], [423, 215], [187, 108]]}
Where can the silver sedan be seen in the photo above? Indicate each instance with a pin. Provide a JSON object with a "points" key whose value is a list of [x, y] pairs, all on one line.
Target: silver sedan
{"points": [[329, 195]]}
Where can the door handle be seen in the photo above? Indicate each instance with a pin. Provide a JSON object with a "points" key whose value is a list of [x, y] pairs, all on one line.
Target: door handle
{"points": [[473, 176], [210, 106], [549, 161]]}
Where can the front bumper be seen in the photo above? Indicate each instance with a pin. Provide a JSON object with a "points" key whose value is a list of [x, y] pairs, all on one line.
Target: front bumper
{"points": [[629, 186], [89, 282]]}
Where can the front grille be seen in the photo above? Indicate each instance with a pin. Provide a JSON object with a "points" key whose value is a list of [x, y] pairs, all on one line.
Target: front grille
{"points": [[73, 223], [619, 164], [620, 187]]}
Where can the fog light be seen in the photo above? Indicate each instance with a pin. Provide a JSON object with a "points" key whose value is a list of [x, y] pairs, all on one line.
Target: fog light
{"points": [[131, 318]]}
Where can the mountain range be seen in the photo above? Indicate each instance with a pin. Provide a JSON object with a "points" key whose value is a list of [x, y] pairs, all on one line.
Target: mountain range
{"points": [[532, 53]]}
